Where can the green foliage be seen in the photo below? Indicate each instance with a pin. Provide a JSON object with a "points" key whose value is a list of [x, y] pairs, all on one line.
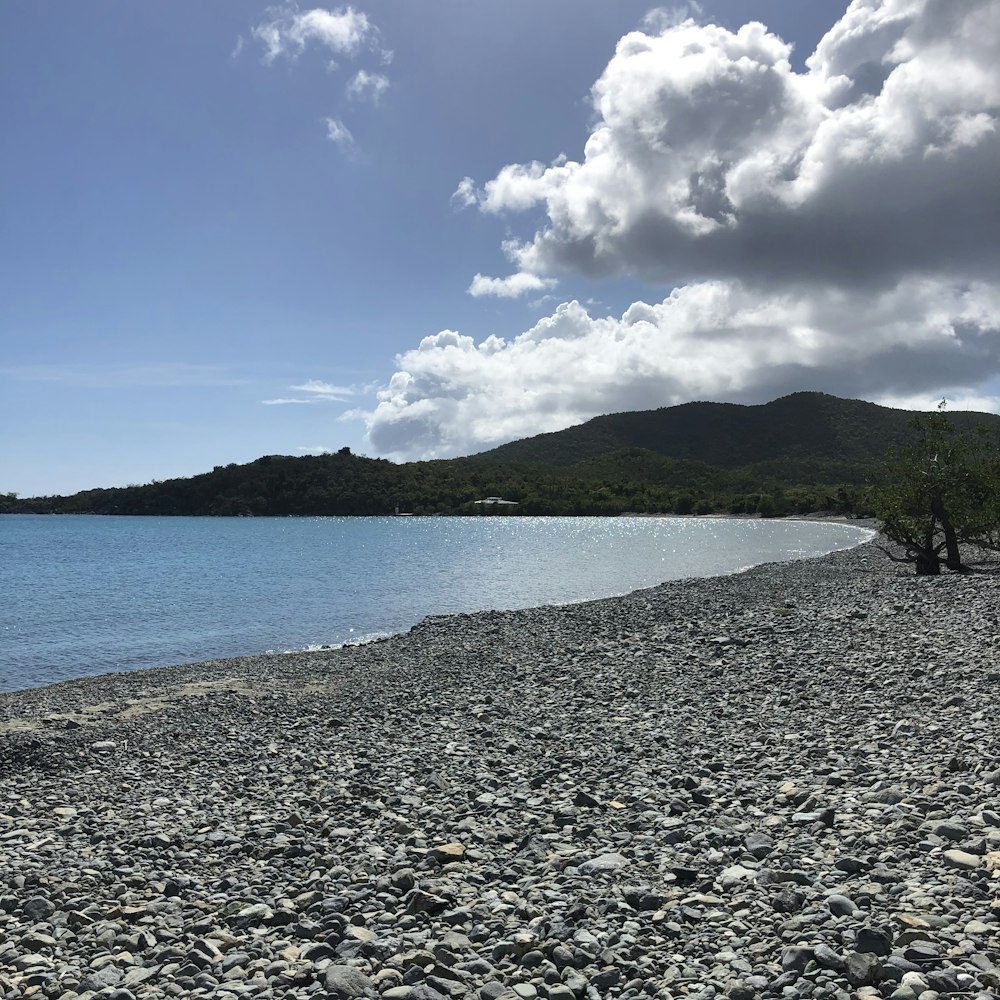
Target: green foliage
{"points": [[802, 438], [939, 493], [803, 453]]}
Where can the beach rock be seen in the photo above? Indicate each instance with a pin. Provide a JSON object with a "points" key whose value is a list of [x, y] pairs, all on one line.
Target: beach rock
{"points": [[795, 959], [106, 976], [788, 901], [759, 844], [447, 853], [841, 906], [38, 908], [611, 862], [827, 958], [862, 969], [962, 860], [343, 982], [871, 939], [563, 803]]}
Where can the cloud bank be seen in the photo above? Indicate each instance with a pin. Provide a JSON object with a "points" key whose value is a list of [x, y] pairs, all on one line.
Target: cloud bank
{"points": [[834, 229], [709, 340], [712, 157]]}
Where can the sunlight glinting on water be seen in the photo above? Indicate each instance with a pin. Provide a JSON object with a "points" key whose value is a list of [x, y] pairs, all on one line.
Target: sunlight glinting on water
{"points": [[89, 595]]}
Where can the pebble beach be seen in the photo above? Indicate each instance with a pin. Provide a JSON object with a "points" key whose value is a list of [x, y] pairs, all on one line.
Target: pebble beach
{"points": [[781, 783]]}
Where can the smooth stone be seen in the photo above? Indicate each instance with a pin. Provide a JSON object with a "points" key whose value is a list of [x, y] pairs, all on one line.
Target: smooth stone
{"points": [[947, 830], [841, 906], [851, 865], [38, 908], [760, 845], [978, 928], [795, 958], [344, 982], [944, 980], [603, 863], [446, 853], [256, 914], [101, 979], [37, 941], [829, 959], [736, 875], [786, 979], [870, 939], [788, 901], [961, 859], [861, 968], [561, 992], [424, 991], [825, 816]]}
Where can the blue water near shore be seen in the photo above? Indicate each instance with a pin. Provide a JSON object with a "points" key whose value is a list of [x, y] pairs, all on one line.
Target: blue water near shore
{"points": [[90, 595]]}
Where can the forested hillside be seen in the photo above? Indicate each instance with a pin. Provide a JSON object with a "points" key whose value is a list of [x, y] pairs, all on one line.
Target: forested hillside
{"points": [[807, 430], [799, 454]]}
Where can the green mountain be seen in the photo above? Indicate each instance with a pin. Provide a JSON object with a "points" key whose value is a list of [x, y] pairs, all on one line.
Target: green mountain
{"points": [[798, 430], [797, 454]]}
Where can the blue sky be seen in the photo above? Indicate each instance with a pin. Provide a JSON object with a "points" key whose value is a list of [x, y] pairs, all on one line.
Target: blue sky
{"points": [[232, 229]]}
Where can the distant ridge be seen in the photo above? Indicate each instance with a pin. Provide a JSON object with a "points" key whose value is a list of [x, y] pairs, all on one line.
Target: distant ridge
{"points": [[801, 453], [809, 426]]}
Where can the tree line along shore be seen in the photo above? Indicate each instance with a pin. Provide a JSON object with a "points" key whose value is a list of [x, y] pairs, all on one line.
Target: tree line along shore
{"points": [[343, 484], [804, 453]]}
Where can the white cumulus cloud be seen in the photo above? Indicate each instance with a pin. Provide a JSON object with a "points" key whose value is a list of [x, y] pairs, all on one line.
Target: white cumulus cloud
{"points": [[367, 86], [708, 340], [288, 31], [511, 287], [833, 228], [711, 156], [338, 133]]}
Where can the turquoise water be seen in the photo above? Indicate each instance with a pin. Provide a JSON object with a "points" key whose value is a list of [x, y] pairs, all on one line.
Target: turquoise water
{"points": [[89, 595]]}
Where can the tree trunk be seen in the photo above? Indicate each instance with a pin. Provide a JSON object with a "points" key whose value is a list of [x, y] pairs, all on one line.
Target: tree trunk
{"points": [[928, 564], [953, 559]]}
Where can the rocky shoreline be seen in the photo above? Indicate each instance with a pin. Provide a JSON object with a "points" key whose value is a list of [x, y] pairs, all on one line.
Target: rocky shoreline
{"points": [[784, 783]]}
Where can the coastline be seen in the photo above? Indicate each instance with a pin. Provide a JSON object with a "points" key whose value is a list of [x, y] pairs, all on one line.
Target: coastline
{"points": [[229, 613], [729, 785]]}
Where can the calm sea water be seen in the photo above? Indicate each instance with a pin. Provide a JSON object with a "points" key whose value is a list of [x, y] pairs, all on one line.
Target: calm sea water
{"points": [[89, 595]]}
